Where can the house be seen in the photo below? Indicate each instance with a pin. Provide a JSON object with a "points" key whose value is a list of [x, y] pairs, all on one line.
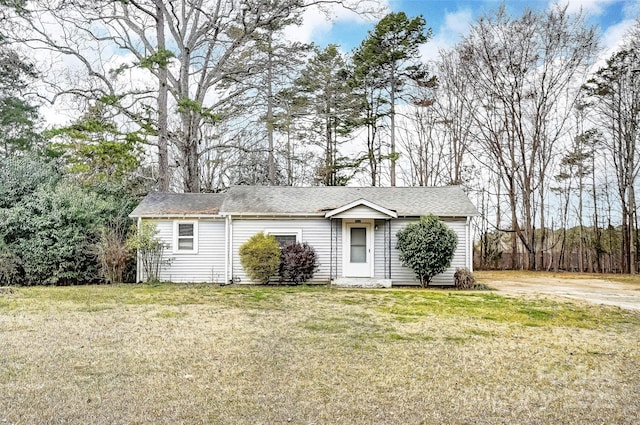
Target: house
{"points": [[352, 229]]}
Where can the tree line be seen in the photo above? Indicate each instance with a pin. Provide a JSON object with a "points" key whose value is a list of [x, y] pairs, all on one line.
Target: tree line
{"points": [[199, 95]]}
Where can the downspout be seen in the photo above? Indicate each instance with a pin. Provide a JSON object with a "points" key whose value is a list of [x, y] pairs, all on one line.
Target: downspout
{"points": [[469, 245], [330, 249], [230, 250], [389, 245], [339, 236], [386, 247], [138, 256], [226, 250]]}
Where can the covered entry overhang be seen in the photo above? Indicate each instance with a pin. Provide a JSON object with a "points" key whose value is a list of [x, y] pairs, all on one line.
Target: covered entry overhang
{"points": [[362, 209], [356, 237]]}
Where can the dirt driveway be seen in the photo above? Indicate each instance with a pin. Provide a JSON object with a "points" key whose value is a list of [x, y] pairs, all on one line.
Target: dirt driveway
{"points": [[592, 288]]}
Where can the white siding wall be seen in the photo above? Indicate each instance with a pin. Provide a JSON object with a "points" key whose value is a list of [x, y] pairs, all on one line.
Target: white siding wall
{"points": [[207, 265], [315, 232], [381, 250], [337, 248], [404, 276]]}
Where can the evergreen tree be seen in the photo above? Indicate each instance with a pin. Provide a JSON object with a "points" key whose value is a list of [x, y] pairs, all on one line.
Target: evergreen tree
{"points": [[385, 62], [17, 115], [278, 60], [427, 247], [331, 105], [95, 150]]}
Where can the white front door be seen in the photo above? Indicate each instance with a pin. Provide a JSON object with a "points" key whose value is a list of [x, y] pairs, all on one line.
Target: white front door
{"points": [[357, 248]]}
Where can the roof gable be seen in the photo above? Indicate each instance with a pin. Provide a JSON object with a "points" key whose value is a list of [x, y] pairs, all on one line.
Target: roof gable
{"points": [[382, 211]]}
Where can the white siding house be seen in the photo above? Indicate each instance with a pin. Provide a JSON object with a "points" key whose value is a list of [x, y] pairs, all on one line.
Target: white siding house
{"points": [[353, 230], [206, 263], [312, 231]]}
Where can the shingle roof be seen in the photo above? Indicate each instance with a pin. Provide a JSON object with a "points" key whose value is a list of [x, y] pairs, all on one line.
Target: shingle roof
{"points": [[449, 201], [406, 201], [179, 204]]}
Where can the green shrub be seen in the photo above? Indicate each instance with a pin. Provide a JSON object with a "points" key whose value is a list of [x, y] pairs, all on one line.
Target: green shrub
{"points": [[463, 279], [53, 232], [10, 266], [426, 247], [260, 257], [298, 263], [50, 226], [21, 176]]}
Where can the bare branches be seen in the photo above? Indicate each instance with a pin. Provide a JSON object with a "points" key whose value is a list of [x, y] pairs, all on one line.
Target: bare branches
{"points": [[527, 71]]}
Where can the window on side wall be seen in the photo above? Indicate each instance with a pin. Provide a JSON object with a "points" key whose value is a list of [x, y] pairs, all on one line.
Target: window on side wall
{"points": [[185, 237], [286, 236]]}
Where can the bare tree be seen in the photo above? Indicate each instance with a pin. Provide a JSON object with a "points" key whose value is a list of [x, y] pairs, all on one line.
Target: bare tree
{"points": [[523, 72], [422, 146], [146, 58], [614, 94], [438, 129], [454, 108]]}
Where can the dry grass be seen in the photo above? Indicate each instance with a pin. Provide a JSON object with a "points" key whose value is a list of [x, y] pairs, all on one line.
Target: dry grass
{"points": [[488, 275], [201, 354]]}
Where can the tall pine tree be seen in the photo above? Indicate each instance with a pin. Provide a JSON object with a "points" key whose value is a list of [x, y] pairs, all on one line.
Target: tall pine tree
{"points": [[328, 99], [385, 63]]}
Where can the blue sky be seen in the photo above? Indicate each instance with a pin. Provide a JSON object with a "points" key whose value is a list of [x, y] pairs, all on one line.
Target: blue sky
{"points": [[450, 19]]}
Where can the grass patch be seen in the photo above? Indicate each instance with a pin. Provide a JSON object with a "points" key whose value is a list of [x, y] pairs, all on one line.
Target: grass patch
{"points": [[480, 332], [498, 308], [535, 313], [207, 354], [7, 304], [170, 314], [95, 297]]}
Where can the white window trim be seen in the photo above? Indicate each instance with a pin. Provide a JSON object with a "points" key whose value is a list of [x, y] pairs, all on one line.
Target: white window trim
{"points": [[286, 232], [195, 237]]}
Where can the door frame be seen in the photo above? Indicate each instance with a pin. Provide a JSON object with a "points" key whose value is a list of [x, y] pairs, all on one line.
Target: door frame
{"points": [[347, 224]]}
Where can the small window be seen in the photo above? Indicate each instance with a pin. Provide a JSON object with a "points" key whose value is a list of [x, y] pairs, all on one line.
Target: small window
{"points": [[185, 236], [285, 239], [358, 245], [286, 236]]}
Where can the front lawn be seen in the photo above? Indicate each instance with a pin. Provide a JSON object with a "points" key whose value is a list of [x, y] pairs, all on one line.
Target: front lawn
{"points": [[193, 354]]}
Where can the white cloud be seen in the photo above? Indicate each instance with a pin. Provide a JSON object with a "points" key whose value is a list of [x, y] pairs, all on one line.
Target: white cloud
{"points": [[589, 7], [631, 9], [455, 25], [313, 22], [459, 21], [317, 22], [612, 39]]}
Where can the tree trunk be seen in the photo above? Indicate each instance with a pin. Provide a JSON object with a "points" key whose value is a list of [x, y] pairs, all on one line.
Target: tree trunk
{"points": [[163, 153], [598, 233], [328, 154], [271, 156], [392, 115], [632, 230], [514, 229], [543, 233]]}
